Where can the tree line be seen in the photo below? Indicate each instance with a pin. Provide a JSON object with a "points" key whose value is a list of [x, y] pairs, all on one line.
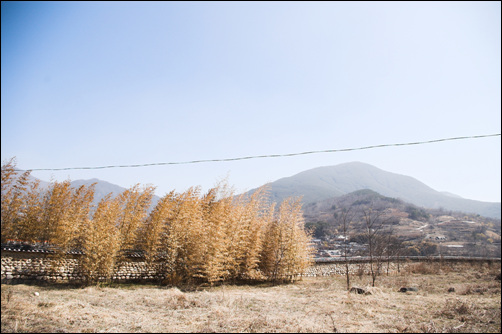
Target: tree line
{"points": [[190, 236]]}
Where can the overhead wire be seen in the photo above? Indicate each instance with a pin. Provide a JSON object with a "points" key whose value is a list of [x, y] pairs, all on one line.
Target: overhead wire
{"points": [[268, 155]]}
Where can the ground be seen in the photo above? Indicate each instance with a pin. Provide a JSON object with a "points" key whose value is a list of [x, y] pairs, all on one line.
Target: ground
{"points": [[310, 305]]}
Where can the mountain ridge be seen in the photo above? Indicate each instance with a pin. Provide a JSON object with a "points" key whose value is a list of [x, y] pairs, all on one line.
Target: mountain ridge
{"points": [[102, 188], [325, 182], [331, 181]]}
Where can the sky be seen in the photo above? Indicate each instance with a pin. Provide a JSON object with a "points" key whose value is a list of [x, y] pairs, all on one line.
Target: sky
{"points": [[89, 84]]}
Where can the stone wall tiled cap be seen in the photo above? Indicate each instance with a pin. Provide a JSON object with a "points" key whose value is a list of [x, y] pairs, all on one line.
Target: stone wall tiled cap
{"points": [[19, 249]]}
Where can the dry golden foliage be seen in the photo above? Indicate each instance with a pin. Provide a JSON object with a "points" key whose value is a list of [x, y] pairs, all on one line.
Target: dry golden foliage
{"points": [[286, 252], [66, 210], [14, 185], [219, 237], [113, 228], [212, 237], [55, 216], [79, 214], [101, 240], [252, 215], [154, 231], [29, 226], [8, 173], [55, 206], [216, 215], [134, 204], [185, 231]]}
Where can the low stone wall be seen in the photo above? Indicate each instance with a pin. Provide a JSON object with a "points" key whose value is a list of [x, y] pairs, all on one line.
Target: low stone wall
{"points": [[19, 267], [26, 267], [38, 269], [322, 269]]}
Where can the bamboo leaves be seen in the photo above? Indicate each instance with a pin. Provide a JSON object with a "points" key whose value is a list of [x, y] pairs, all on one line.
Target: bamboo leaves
{"points": [[189, 236]]}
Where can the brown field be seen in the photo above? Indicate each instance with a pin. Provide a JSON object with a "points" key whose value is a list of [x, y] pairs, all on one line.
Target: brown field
{"points": [[310, 305]]}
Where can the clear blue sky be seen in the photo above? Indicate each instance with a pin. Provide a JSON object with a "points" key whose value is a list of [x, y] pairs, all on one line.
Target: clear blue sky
{"points": [[112, 83]]}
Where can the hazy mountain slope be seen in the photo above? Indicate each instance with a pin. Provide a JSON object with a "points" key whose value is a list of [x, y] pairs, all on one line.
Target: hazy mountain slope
{"points": [[103, 188], [450, 194], [325, 182]]}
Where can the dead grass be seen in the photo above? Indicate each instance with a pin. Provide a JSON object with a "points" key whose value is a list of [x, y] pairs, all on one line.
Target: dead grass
{"points": [[312, 305]]}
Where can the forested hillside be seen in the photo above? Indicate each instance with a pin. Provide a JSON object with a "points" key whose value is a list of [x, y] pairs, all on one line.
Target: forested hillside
{"points": [[456, 232]]}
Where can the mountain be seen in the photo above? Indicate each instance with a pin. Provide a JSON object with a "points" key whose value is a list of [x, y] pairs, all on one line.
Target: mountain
{"points": [[101, 189], [450, 194], [472, 235], [324, 182]]}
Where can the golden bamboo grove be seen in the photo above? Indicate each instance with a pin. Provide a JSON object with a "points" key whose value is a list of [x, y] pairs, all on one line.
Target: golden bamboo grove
{"points": [[189, 236]]}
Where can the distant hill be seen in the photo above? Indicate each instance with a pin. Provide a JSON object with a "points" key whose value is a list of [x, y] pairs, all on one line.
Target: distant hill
{"points": [[450, 194], [471, 234], [102, 188], [325, 182]]}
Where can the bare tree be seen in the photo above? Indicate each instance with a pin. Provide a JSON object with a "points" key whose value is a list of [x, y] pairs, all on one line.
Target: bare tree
{"points": [[393, 248], [344, 219], [374, 220]]}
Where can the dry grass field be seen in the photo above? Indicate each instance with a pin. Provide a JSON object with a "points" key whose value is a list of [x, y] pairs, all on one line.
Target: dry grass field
{"points": [[310, 305]]}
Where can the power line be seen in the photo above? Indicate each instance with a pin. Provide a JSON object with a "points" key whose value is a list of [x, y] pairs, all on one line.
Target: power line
{"points": [[270, 155]]}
